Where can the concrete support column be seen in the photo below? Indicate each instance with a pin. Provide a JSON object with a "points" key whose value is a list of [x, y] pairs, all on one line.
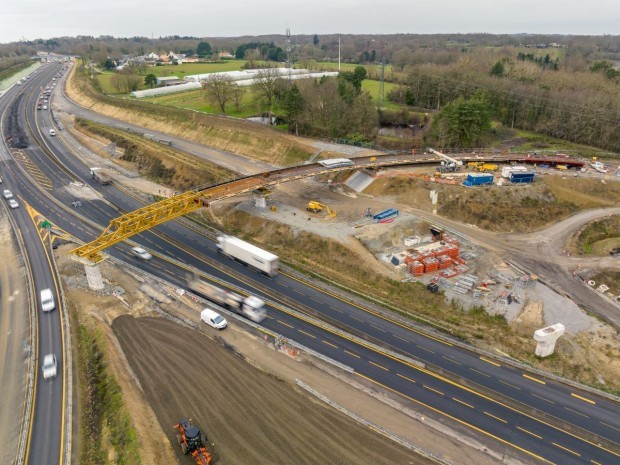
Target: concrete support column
{"points": [[94, 278], [546, 338]]}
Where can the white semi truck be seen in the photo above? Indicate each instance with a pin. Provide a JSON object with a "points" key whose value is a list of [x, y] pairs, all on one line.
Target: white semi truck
{"points": [[250, 307], [249, 254]]}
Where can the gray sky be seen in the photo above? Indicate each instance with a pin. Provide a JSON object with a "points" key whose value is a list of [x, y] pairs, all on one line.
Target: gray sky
{"points": [[33, 19]]}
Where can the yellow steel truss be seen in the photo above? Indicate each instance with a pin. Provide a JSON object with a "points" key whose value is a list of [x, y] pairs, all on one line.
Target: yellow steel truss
{"points": [[145, 218]]}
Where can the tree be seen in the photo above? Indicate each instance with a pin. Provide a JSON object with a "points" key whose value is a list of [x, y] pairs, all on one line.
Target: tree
{"points": [[497, 69], [315, 40], [462, 123], [150, 80], [108, 64], [203, 49], [354, 77], [266, 85], [293, 103], [237, 93], [218, 89]]}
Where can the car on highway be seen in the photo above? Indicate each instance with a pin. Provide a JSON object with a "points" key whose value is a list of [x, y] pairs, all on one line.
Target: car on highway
{"points": [[52, 131], [47, 300], [7, 194], [140, 253], [50, 366], [13, 203], [45, 107]]}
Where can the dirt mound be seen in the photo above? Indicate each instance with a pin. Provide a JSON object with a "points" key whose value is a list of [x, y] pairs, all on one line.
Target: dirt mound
{"points": [[251, 417]]}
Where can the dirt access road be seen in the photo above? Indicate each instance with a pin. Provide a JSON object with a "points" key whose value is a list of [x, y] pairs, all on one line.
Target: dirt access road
{"points": [[250, 416]]}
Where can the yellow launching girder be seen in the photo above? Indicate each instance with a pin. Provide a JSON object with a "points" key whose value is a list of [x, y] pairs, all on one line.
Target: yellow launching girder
{"points": [[145, 218]]}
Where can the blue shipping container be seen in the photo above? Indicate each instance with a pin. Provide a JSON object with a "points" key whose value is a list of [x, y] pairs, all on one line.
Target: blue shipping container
{"points": [[527, 177], [478, 179], [385, 214]]}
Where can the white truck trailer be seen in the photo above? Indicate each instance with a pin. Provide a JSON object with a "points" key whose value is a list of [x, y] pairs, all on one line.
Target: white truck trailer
{"points": [[251, 307], [249, 254], [101, 176]]}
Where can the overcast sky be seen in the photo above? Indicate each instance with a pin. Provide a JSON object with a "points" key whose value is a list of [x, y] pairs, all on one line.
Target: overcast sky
{"points": [[31, 19]]}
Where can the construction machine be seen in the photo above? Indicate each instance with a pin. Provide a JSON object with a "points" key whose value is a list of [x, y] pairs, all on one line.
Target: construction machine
{"points": [[192, 442], [448, 164], [317, 207]]}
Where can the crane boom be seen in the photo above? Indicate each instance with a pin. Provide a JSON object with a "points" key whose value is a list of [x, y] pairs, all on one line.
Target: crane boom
{"points": [[445, 157]]}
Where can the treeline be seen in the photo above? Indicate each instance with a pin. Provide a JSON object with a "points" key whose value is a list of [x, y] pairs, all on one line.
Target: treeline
{"points": [[580, 107]]}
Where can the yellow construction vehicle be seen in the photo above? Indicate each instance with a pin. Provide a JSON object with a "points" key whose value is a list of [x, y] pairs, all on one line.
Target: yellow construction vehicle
{"points": [[484, 167], [317, 207]]}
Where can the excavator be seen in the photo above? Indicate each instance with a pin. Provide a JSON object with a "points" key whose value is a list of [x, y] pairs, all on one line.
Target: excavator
{"points": [[192, 441], [317, 207]]}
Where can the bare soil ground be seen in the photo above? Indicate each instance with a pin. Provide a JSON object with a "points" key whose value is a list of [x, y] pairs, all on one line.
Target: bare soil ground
{"points": [[250, 416]]}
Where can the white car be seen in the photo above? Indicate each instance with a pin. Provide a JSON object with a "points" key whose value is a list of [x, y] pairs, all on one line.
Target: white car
{"points": [[45, 107], [7, 194], [52, 132], [13, 203], [141, 253], [49, 366]]}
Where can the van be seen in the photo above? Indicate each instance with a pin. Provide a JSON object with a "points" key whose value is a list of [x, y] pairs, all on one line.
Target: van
{"points": [[213, 319], [47, 300]]}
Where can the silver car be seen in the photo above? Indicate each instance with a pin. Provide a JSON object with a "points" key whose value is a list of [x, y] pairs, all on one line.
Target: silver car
{"points": [[50, 366]]}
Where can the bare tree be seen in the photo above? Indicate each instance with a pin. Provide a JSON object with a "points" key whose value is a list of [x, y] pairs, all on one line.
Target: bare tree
{"points": [[266, 83], [218, 88], [237, 93]]}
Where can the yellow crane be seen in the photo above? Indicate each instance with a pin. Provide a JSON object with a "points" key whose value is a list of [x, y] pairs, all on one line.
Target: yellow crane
{"points": [[317, 207]]}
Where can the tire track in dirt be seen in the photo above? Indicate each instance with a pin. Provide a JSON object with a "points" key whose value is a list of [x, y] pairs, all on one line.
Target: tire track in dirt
{"points": [[251, 416]]}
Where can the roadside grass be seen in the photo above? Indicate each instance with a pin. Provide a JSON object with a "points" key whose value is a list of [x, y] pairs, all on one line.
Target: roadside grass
{"points": [[610, 278], [598, 237], [106, 429], [156, 162], [252, 140], [583, 193]]}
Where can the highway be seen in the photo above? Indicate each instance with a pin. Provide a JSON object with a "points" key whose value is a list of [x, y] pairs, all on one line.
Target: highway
{"points": [[46, 431], [445, 397]]}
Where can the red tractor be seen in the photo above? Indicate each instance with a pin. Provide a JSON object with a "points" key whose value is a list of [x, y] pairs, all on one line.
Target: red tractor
{"points": [[192, 441]]}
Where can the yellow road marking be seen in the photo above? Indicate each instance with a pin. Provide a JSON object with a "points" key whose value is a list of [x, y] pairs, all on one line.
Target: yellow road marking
{"points": [[529, 432], [405, 377], [283, 323], [431, 389], [379, 366], [458, 420], [566, 449], [583, 398], [493, 416], [490, 361], [307, 334], [352, 354], [533, 379], [329, 344], [461, 402]]}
